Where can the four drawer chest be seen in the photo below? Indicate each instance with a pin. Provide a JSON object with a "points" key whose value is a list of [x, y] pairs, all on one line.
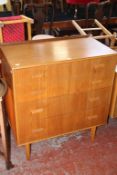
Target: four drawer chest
{"points": [[57, 87]]}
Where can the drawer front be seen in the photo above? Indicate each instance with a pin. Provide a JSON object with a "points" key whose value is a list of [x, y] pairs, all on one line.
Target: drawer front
{"points": [[96, 116], [90, 117], [91, 99], [42, 82], [36, 128], [91, 74], [52, 126], [30, 83], [47, 107], [98, 97], [102, 73], [93, 109]]}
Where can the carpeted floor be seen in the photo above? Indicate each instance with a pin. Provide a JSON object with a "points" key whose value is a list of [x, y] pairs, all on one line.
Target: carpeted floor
{"points": [[73, 154]]}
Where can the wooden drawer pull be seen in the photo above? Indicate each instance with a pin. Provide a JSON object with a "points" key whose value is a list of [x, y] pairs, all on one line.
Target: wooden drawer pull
{"points": [[98, 66], [37, 76], [37, 111], [92, 117], [96, 81], [37, 130], [93, 99], [37, 92]]}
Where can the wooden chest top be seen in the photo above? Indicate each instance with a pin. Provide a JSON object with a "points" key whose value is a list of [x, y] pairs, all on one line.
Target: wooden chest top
{"points": [[37, 53]]}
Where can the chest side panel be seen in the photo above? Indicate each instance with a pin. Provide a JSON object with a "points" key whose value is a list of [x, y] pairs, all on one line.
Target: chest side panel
{"points": [[9, 97]]}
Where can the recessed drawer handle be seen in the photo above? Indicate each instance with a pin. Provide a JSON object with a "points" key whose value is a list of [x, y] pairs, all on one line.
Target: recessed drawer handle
{"points": [[34, 92], [37, 130], [92, 117], [37, 92], [96, 81], [94, 99], [37, 76], [37, 111], [99, 66]]}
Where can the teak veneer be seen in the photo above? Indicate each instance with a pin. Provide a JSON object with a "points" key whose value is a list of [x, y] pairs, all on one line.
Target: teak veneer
{"points": [[57, 87]]}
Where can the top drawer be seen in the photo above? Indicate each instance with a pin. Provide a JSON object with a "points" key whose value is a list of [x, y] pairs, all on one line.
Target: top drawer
{"points": [[92, 74], [102, 72]]}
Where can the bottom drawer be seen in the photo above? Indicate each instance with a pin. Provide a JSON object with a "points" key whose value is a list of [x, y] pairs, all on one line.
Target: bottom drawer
{"points": [[96, 116], [40, 128], [91, 117]]}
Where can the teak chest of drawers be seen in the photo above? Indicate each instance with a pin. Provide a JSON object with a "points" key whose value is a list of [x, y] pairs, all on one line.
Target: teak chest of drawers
{"points": [[57, 86]]}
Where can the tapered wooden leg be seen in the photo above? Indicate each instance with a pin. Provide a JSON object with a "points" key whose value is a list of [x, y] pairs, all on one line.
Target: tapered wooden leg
{"points": [[28, 150], [93, 131]]}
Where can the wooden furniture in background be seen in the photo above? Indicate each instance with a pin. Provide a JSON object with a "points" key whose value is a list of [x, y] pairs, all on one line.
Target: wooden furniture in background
{"points": [[99, 10], [113, 107], [79, 2], [83, 23], [40, 12], [16, 7], [103, 32], [10, 31], [4, 125], [57, 87]]}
